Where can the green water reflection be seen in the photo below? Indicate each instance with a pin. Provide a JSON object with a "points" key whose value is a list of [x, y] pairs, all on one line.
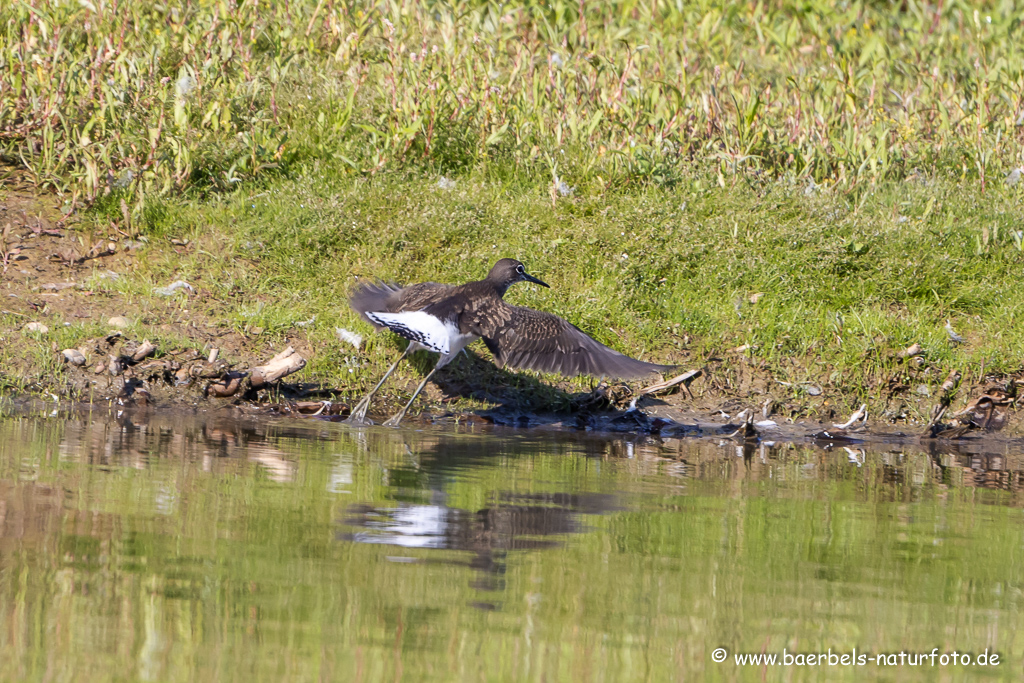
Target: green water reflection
{"points": [[170, 548]]}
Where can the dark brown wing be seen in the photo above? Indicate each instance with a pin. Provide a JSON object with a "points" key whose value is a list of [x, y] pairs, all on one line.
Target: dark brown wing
{"points": [[533, 340], [388, 297]]}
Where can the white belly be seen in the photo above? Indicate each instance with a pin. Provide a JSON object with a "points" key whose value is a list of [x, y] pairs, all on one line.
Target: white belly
{"points": [[425, 332], [456, 342]]}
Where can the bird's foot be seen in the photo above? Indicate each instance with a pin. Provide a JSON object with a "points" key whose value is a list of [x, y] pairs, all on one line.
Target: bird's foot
{"points": [[395, 419], [358, 414]]}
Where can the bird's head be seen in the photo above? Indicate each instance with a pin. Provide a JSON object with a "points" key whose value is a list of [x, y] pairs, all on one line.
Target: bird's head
{"points": [[508, 271]]}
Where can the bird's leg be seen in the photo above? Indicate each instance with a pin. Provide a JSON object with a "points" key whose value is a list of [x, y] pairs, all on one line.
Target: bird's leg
{"points": [[358, 414], [397, 417]]}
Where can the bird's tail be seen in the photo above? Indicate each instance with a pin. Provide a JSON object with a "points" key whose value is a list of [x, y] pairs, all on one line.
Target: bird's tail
{"points": [[372, 296]]}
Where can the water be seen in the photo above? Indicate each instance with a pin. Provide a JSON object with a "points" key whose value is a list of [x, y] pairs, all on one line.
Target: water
{"points": [[174, 548]]}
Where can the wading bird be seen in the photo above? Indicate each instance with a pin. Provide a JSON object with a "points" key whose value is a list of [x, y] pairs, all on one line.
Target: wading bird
{"points": [[445, 318]]}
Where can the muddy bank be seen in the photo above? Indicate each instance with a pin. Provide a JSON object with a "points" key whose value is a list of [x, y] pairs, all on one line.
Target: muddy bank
{"points": [[119, 370], [69, 332]]}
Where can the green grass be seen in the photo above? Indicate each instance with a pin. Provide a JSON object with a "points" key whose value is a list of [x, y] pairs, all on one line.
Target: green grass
{"points": [[845, 282], [846, 161], [139, 99]]}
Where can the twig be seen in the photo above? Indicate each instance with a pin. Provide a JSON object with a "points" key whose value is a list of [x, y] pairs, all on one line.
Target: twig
{"points": [[860, 415]]}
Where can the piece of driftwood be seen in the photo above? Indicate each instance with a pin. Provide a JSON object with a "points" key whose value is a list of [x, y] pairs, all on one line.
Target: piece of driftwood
{"points": [[934, 428], [214, 352], [315, 408], [911, 351], [668, 384], [951, 381], [160, 366], [606, 395], [281, 365], [860, 415], [226, 386], [146, 349], [230, 383], [206, 371], [990, 409]]}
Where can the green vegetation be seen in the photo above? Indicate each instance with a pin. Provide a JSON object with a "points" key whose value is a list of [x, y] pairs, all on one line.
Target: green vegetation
{"points": [[144, 98], [658, 163]]}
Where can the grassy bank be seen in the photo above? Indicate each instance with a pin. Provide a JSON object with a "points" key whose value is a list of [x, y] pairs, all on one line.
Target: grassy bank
{"points": [[819, 185]]}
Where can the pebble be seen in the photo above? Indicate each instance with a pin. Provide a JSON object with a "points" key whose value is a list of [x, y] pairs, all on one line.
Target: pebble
{"points": [[36, 327], [119, 321], [74, 357]]}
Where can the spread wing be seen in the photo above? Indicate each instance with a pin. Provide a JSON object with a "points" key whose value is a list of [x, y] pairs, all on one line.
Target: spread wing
{"points": [[387, 297], [533, 340]]}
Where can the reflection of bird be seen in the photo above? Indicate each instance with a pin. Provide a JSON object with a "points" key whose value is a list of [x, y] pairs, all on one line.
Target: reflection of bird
{"points": [[445, 318], [953, 336]]}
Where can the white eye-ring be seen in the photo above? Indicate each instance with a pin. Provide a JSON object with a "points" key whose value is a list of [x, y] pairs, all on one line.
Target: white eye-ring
{"points": [[520, 269]]}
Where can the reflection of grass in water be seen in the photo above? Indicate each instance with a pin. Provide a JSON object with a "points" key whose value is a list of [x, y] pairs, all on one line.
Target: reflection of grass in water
{"points": [[804, 551]]}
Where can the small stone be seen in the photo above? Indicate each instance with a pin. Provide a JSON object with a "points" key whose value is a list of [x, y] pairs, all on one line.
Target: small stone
{"points": [[38, 328], [119, 321], [100, 367], [74, 357]]}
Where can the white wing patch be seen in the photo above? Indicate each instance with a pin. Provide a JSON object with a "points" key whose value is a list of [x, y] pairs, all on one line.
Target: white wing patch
{"points": [[417, 326]]}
